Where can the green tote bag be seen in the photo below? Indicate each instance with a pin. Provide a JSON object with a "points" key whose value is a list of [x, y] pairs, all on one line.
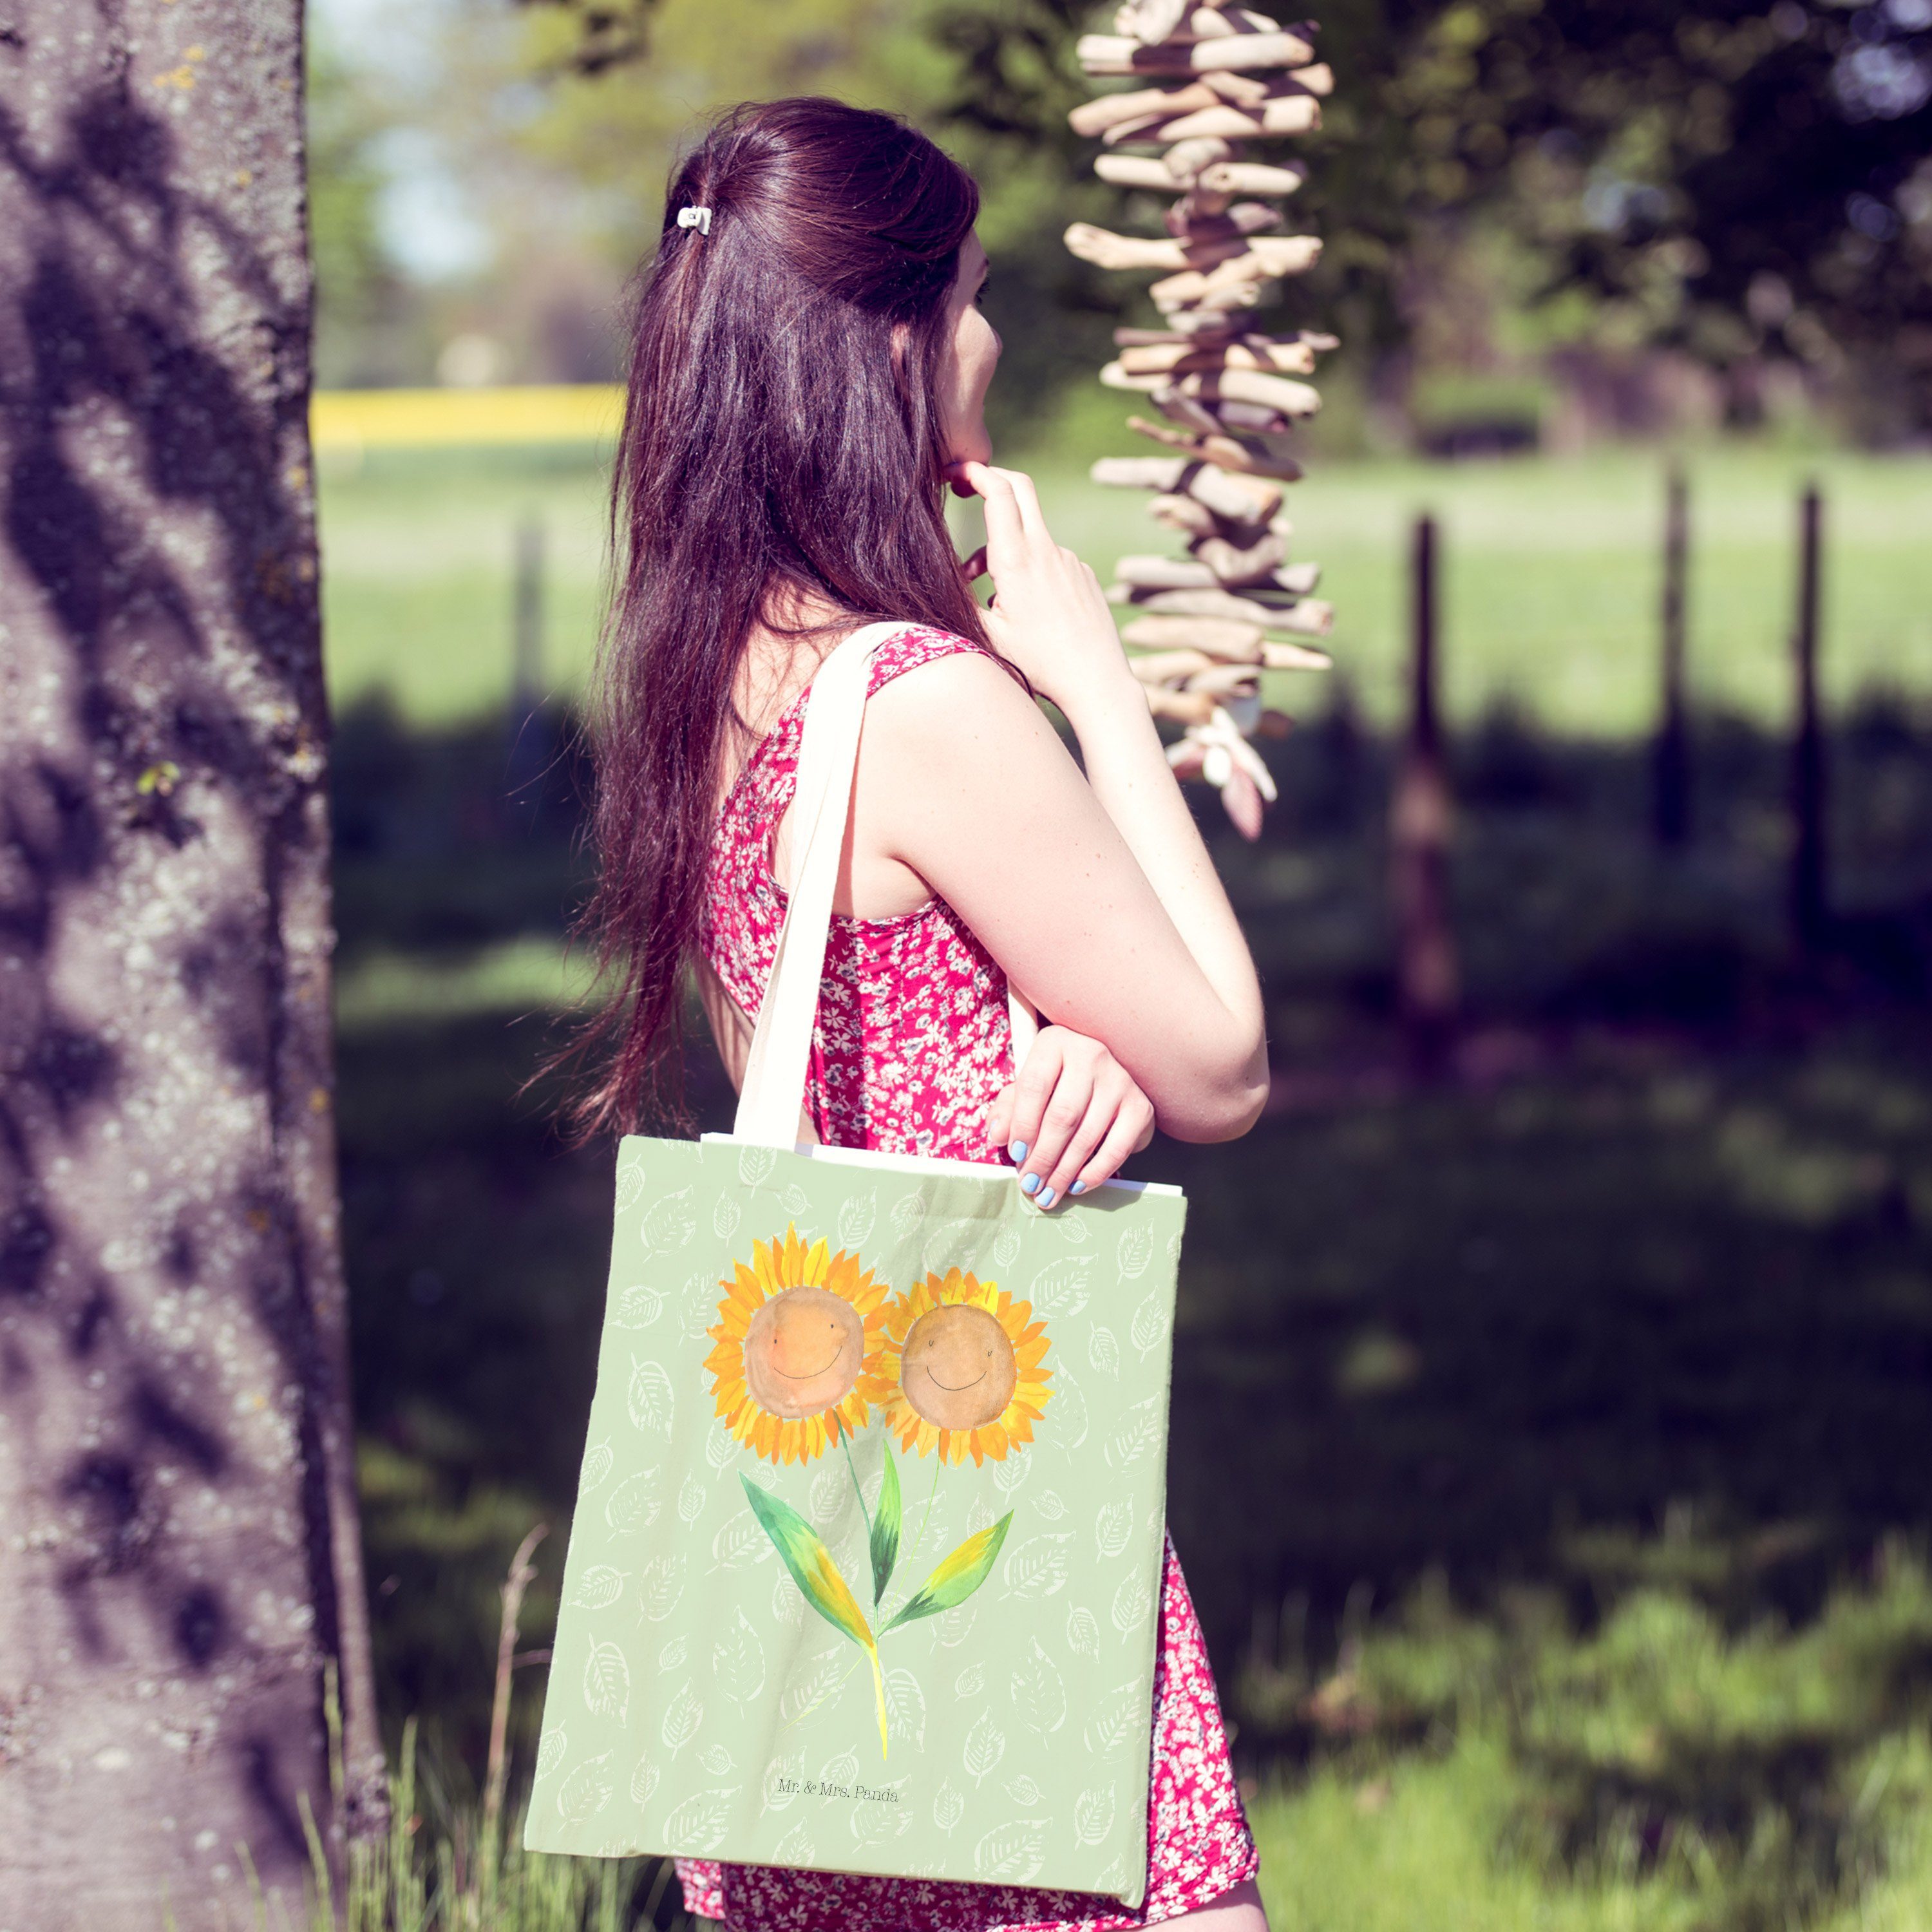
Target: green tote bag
{"points": [[865, 1570]]}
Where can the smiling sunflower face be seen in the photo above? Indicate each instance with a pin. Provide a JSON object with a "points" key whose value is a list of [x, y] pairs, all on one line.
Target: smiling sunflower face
{"points": [[793, 1334], [960, 1371]]}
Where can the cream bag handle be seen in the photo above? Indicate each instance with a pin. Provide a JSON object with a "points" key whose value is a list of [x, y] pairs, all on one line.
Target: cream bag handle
{"points": [[772, 1096]]}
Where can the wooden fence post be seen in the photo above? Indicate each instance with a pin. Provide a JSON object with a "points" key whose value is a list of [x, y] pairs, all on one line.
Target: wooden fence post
{"points": [[1426, 969], [1809, 914], [1671, 767]]}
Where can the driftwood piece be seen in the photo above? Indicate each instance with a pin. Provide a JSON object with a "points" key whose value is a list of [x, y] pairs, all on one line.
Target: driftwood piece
{"points": [[1213, 637], [1293, 114], [1173, 667], [1162, 172], [1185, 515], [1247, 385], [1113, 53], [1181, 707], [1226, 680], [1236, 565], [1202, 596], [1229, 452]]}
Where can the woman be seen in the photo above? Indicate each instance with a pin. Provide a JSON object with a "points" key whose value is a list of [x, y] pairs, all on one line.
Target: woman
{"points": [[809, 371]]}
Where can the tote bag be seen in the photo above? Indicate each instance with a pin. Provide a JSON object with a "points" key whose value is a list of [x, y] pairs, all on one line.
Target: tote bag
{"points": [[864, 1570]]}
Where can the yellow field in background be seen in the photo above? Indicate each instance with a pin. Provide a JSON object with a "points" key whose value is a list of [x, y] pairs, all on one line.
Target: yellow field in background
{"points": [[347, 421]]}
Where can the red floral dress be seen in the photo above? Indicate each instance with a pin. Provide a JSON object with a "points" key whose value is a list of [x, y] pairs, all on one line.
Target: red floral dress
{"points": [[911, 1048]]}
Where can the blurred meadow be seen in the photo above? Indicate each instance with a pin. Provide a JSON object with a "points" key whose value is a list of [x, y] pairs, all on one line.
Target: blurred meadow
{"points": [[1587, 1385], [1550, 1419]]}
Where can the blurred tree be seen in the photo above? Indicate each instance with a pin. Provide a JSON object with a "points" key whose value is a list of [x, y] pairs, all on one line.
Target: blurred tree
{"points": [[1733, 179], [355, 282], [176, 1464]]}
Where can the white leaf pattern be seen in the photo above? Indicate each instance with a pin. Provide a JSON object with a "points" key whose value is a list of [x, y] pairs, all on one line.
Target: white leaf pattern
{"points": [[599, 1587], [1009, 1474], [795, 1847], [969, 1682], [842, 1769], [754, 1163], [1133, 1602], [606, 1681], [738, 1662], [691, 1500], [1039, 1692], [715, 1761], [1103, 1351], [908, 1211], [739, 1541], [698, 1825], [806, 1692], [795, 1201], [1006, 1246], [633, 1503], [873, 1821], [1111, 1724], [1093, 1814], [668, 1225], [1148, 1330], [952, 1244], [828, 1494], [1023, 1791], [719, 1449], [683, 1716], [638, 1307], [948, 1807], [550, 1752], [955, 1625], [1135, 1249], [1135, 1434], [1114, 1527], [660, 1587], [725, 1218], [1038, 1568], [1083, 1633], [1048, 1505], [648, 1397], [1059, 1290], [630, 1182], [855, 1219], [587, 1790], [598, 1461], [672, 1657], [905, 1706], [643, 1782], [985, 1745], [1011, 1853], [783, 1776]]}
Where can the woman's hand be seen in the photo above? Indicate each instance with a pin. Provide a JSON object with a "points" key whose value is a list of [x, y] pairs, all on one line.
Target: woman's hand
{"points": [[1048, 617], [1071, 1117]]}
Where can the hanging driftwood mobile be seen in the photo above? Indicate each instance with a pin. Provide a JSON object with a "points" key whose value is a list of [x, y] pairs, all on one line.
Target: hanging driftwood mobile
{"points": [[1219, 78]]}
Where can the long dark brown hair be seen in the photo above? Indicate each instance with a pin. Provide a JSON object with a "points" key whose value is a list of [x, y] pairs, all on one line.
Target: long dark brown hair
{"points": [[781, 440]]}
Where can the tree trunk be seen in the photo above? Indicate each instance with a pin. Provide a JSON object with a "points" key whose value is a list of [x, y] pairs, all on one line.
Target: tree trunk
{"points": [[180, 1557]]}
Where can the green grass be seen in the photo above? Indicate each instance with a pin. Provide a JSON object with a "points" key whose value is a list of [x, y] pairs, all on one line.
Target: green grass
{"points": [[1550, 581], [1548, 1444]]}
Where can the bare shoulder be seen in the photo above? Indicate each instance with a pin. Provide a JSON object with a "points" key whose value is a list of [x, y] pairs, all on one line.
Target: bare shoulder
{"points": [[963, 693]]}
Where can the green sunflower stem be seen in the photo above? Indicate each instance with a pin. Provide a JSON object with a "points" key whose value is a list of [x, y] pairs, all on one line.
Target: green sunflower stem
{"points": [[845, 1438], [879, 1693]]}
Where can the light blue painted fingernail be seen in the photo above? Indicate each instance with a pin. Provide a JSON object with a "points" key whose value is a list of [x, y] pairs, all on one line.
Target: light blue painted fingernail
{"points": [[1017, 1149], [1079, 1187], [1045, 1200], [1030, 1183]]}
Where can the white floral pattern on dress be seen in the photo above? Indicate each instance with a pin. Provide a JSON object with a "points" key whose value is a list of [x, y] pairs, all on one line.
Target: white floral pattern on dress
{"points": [[911, 1048]]}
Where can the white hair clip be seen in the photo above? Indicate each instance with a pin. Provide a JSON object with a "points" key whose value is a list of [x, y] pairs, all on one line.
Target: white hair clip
{"points": [[699, 218]]}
